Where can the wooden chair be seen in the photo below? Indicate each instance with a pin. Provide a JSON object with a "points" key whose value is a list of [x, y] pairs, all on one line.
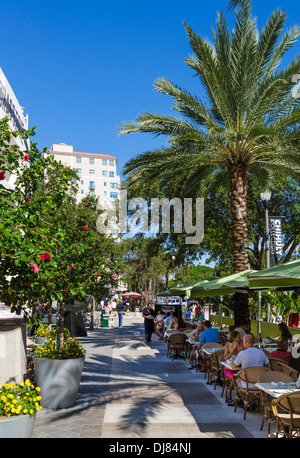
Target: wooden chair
{"points": [[244, 381], [288, 370], [215, 366], [286, 409], [223, 338], [274, 364], [203, 358], [177, 345], [268, 377]]}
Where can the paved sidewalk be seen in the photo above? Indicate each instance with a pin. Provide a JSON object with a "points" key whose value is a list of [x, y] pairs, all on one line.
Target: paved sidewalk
{"points": [[130, 389]]}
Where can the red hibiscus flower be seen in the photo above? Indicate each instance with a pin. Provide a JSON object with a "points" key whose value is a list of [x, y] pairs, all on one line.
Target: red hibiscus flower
{"points": [[2, 176], [85, 228], [72, 265], [45, 256], [97, 274], [26, 157], [35, 267]]}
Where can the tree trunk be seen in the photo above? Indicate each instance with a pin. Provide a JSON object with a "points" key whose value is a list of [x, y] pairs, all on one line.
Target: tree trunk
{"points": [[238, 212]]}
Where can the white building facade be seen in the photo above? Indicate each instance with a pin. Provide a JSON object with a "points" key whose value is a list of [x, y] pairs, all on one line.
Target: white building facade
{"points": [[10, 107], [97, 172]]}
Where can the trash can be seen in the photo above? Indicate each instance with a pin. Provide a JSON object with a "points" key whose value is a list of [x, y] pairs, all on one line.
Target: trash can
{"points": [[105, 321]]}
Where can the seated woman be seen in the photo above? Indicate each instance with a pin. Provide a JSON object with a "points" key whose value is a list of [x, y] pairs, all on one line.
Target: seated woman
{"points": [[232, 348], [159, 324], [173, 323], [195, 335]]}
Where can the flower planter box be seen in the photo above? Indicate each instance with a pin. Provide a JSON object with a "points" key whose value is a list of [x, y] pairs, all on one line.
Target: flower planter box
{"points": [[19, 426], [59, 381]]}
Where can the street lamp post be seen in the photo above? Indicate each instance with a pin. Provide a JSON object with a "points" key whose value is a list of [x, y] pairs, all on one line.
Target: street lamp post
{"points": [[266, 197]]}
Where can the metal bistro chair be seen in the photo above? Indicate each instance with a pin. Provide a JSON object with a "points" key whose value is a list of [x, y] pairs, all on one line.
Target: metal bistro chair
{"points": [[268, 377], [286, 409], [177, 345], [274, 363], [247, 392], [203, 359], [215, 366], [288, 370]]}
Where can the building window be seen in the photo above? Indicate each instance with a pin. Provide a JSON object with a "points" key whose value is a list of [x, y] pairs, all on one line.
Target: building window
{"points": [[78, 159], [111, 174], [104, 183], [104, 173], [113, 195], [92, 184], [92, 160], [111, 162], [82, 191], [78, 171], [92, 193], [113, 185], [105, 193], [104, 161], [82, 182], [92, 171]]}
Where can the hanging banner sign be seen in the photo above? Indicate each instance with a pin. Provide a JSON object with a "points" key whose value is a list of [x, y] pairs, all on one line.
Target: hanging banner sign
{"points": [[276, 245]]}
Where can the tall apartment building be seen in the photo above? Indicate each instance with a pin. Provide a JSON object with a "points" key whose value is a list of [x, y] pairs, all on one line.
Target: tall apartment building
{"points": [[10, 107], [98, 173]]}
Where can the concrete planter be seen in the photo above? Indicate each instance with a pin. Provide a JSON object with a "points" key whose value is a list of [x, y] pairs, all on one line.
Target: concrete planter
{"points": [[59, 381], [15, 427]]}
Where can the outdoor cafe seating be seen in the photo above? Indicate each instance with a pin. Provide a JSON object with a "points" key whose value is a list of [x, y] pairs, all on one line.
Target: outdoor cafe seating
{"points": [[246, 391], [286, 409], [266, 377], [177, 345]]}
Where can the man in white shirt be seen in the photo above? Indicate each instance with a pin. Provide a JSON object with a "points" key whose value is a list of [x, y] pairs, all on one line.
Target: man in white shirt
{"points": [[251, 356]]}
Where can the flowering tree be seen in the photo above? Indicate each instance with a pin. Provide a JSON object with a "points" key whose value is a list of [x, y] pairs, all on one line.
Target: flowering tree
{"points": [[44, 254]]}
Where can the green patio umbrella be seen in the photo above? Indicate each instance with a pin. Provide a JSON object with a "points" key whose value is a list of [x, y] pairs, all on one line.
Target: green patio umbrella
{"points": [[221, 286], [280, 277], [183, 290]]}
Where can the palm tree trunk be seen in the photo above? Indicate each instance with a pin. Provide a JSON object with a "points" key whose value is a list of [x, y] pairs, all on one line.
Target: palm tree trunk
{"points": [[238, 211]]}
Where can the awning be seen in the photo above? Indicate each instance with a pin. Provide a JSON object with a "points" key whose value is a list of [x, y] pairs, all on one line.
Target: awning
{"points": [[221, 286], [283, 276]]}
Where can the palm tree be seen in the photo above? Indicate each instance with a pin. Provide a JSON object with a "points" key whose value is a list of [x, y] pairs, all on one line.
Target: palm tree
{"points": [[249, 124]]}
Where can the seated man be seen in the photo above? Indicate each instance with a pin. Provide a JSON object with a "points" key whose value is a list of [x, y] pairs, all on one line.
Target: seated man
{"points": [[282, 350], [208, 335], [250, 357]]}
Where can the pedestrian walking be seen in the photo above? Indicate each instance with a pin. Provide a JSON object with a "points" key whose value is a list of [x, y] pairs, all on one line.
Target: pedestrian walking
{"points": [[120, 309], [148, 315]]}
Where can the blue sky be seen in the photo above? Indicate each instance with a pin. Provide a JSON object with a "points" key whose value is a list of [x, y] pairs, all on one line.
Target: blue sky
{"points": [[81, 68]]}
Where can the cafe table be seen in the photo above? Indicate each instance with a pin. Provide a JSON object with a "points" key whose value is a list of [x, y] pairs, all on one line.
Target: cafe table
{"points": [[209, 351], [228, 363], [276, 389]]}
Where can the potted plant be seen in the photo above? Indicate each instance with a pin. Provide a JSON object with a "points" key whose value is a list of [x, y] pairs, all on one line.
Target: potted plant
{"points": [[18, 407], [58, 371]]}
